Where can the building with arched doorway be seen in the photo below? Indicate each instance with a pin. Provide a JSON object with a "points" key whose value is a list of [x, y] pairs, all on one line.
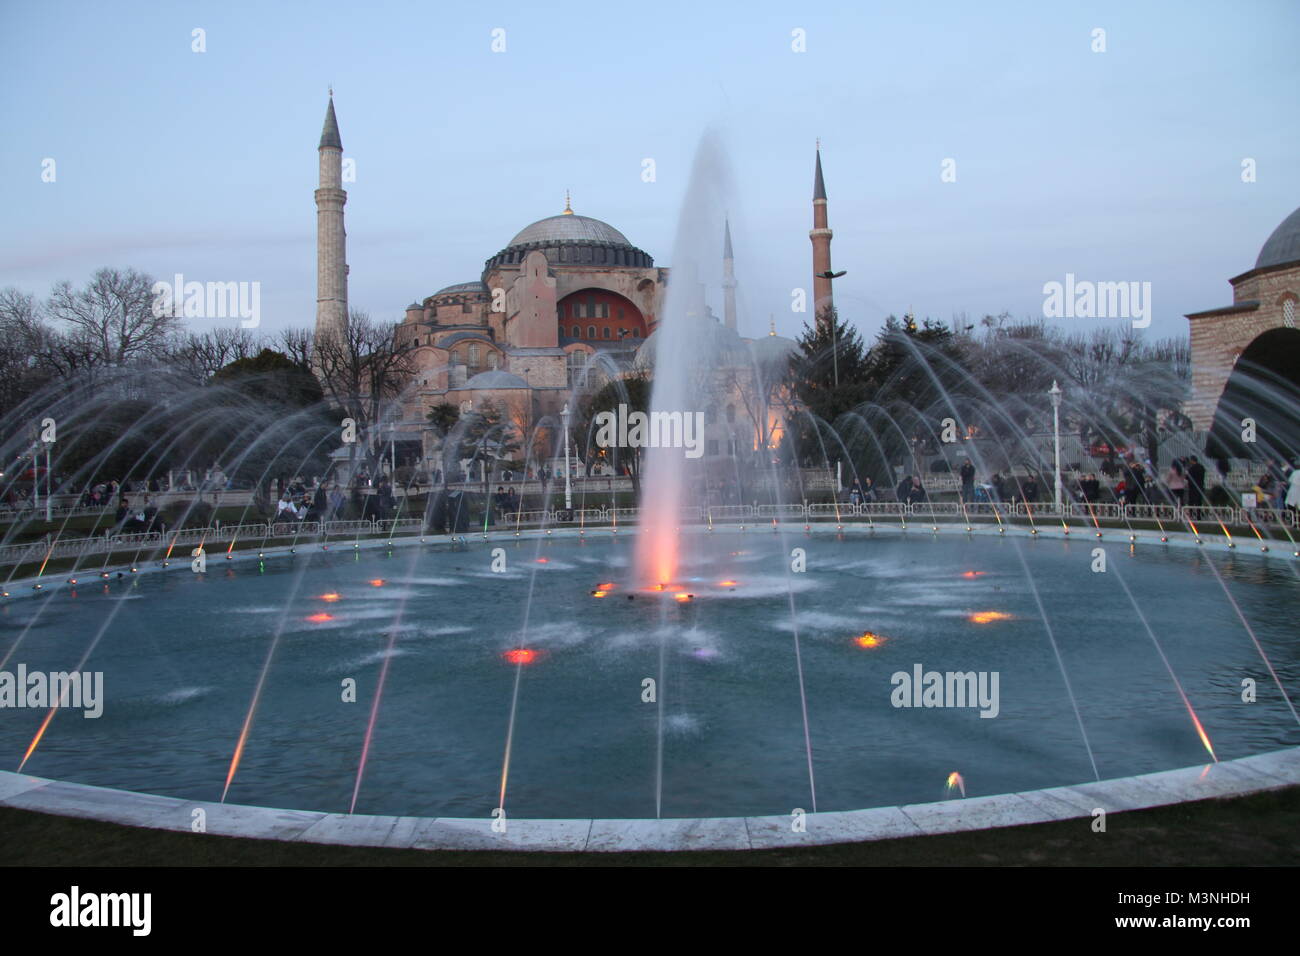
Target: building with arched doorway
{"points": [[567, 299], [1246, 356]]}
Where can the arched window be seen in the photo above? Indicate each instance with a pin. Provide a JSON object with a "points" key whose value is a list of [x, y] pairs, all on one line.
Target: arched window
{"points": [[576, 363], [1288, 313], [475, 356], [577, 331], [591, 331], [456, 357], [608, 332], [494, 360]]}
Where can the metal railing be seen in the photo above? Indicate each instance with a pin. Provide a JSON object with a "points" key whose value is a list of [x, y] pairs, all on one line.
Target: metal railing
{"points": [[150, 542]]}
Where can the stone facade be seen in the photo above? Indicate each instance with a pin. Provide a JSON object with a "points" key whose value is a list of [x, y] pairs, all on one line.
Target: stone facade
{"points": [[563, 291], [1264, 299]]}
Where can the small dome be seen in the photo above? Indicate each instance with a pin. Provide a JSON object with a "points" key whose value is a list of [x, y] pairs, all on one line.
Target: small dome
{"points": [[773, 348], [463, 287], [1283, 245], [711, 341], [569, 227], [494, 378]]}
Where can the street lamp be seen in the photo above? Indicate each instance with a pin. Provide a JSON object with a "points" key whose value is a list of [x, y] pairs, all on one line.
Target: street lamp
{"points": [[1055, 394], [568, 483]]}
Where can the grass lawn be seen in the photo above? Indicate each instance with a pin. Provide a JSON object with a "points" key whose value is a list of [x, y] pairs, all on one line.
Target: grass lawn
{"points": [[1257, 830]]}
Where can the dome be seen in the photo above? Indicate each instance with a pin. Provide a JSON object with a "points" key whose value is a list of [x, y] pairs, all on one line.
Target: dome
{"points": [[463, 287], [773, 349], [571, 228], [494, 378], [572, 240], [1283, 245], [723, 347]]}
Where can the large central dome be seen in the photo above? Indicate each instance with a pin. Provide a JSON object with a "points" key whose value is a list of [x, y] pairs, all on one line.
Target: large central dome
{"points": [[572, 240], [571, 227]]}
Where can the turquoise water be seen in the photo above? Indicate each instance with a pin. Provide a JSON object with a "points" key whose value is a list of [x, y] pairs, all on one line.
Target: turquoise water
{"points": [[182, 653]]}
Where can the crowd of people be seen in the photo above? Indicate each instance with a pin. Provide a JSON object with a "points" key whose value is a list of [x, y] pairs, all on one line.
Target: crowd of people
{"points": [[1129, 482]]}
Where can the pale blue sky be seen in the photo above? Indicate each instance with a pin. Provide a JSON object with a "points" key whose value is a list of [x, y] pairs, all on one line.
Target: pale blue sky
{"points": [[1123, 165]]}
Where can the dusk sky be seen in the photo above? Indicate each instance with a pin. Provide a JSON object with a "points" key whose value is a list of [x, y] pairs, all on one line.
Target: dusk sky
{"points": [[1120, 165]]}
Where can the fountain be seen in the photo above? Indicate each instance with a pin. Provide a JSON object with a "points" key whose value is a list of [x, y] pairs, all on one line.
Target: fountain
{"points": [[723, 669]]}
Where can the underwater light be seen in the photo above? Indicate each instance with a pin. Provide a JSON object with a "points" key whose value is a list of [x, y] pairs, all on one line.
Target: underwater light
{"points": [[987, 617]]}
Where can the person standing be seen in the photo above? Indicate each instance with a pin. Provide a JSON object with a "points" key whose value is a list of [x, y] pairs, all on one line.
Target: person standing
{"points": [[1195, 482], [967, 481], [1293, 489], [1176, 482]]}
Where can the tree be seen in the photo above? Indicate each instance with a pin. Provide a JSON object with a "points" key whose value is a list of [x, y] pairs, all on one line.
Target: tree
{"points": [[260, 417], [113, 316], [22, 335], [363, 371], [486, 433], [633, 392], [198, 356]]}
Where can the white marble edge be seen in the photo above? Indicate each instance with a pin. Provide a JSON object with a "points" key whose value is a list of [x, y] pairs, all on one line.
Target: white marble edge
{"points": [[1229, 778]]}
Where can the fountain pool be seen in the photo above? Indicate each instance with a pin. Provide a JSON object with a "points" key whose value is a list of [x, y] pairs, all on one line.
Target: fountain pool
{"points": [[466, 647]]}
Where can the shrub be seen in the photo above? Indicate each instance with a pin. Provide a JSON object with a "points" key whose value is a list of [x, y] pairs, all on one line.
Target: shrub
{"points": [[187, 514]]}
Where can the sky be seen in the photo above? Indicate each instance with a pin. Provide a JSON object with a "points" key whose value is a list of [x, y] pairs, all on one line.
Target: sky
{"points": [[1122, 165]]}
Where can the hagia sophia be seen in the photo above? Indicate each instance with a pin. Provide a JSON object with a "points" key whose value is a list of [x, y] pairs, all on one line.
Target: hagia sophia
{"points": [[568, 303]]}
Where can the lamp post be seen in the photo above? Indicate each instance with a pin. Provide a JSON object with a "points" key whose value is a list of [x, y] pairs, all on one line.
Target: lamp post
{"points": [[568, 482], [49, 485], [1055, 394]]}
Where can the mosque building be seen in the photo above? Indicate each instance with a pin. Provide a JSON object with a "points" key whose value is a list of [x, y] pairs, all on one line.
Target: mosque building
{"points": [[567, 304]]}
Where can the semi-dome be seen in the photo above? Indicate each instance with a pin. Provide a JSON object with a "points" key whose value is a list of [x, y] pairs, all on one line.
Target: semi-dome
{"points": [[494, 378], [1283, 245], [463, 287]]}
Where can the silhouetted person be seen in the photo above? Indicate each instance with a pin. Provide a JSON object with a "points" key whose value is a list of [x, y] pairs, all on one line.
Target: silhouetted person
{"points": [[1195, 482], [967, 473]]}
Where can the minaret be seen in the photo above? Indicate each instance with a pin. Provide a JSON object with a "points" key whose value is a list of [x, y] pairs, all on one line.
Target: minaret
{"points": [[331, 256], [728, 280], [821, 243]]}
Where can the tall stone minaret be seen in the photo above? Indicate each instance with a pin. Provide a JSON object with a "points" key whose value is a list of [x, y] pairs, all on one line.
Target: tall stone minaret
{"points": [[728, 280], [331, 256], [821, 243]]}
